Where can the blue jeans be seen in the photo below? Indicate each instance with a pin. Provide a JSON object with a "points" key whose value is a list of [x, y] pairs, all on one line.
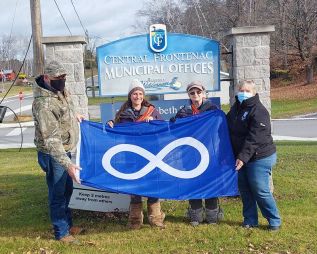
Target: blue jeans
{"points": [[254, 187], [60, 189]]}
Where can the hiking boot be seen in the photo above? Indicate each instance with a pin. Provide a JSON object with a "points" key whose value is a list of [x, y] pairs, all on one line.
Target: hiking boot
{"points": [[195, 216], [214, 216], [70, 239], [135, 219], [155, 215], [76, 230]]}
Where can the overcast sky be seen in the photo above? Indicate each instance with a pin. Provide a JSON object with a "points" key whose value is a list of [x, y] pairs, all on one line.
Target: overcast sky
{"points": [[105, 19]]}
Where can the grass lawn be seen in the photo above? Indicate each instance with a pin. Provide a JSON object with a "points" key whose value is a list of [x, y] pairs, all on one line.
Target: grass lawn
{"points": [[99, 100], [25, 227], [288, 108]]}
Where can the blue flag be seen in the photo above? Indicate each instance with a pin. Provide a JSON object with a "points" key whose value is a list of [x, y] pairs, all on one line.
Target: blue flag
{"points": [[189, 159]]}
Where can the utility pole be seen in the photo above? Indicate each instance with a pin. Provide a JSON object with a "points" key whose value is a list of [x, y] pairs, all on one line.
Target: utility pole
{"points": [[38, 55], [90, 59]]}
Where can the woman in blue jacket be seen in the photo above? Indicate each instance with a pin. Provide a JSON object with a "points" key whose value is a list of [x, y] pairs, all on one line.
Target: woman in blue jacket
{"points": [[250, 131]]}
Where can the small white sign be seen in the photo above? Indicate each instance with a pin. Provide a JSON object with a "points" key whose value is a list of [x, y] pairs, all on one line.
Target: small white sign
{"points": [[91, 199]]}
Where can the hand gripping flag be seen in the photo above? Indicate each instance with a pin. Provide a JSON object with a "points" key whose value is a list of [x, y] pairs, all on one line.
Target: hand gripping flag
{"points": [[189, 159]]}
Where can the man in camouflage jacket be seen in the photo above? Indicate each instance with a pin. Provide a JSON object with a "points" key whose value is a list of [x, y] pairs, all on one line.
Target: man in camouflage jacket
{"points": [[56, 135]]}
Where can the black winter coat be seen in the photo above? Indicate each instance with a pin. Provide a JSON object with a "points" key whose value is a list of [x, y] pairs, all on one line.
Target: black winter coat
{"points": [[250, 130]]}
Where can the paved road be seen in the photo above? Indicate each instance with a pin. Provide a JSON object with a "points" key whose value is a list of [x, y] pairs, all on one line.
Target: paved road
{"points": [[10, 135], [14, 104], [295, 129]]}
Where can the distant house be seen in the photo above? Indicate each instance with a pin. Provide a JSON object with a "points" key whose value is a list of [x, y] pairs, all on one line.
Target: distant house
{"points": [[7, 75]]}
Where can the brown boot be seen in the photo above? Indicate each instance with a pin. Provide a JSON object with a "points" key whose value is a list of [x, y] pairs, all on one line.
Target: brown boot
{"points": [[135, 220], [155, 215], [76, 230]]}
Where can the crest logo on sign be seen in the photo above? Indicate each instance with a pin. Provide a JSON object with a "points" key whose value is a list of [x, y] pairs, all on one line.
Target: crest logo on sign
{"points": [[158, 37]]}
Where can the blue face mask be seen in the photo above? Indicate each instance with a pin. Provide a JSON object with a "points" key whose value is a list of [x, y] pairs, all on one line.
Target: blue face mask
{"points": [[243, 96]]}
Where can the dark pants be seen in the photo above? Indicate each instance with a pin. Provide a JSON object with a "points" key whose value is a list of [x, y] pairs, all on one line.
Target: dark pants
{"points": [[60, 189], [138, 199], [210, 203]]}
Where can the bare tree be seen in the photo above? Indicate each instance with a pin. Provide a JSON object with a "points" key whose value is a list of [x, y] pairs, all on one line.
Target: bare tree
{"points": [[302, 19], [7, 50], [168, 12], [295, 22]]}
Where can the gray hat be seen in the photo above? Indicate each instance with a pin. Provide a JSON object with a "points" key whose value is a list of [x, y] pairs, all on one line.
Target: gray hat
{"points": [[54, 69], [195, 84]]}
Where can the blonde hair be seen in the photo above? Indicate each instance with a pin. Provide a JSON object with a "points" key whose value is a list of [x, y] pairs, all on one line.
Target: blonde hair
{"points": [[249, 83]]}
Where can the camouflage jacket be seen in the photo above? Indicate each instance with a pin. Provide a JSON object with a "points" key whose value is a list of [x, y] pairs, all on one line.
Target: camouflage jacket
{"points": [[56, 127]]}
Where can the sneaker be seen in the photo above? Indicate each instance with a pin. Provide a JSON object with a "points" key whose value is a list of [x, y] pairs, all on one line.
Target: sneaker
{"points": [[70, 239], [214, 216], [76, 230], [195, 216]]}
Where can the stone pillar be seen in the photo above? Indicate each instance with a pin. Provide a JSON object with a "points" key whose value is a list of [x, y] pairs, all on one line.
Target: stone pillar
{"points": [[69, 51], [251, 59]]}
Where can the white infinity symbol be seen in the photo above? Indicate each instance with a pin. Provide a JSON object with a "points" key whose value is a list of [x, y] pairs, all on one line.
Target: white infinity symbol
{"points": [[157, 160]]}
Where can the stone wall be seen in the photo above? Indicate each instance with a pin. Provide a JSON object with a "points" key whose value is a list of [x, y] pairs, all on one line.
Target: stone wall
{"points": [[69, 51], [251, 59]]}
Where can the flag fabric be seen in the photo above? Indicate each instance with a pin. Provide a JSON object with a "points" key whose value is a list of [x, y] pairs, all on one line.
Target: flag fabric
{"points": [[189, 159]]}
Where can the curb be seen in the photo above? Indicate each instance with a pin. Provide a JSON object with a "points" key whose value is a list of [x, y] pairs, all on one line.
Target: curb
{"points": [[16, 145], [289, 138], [17, 125], [295, 119]]}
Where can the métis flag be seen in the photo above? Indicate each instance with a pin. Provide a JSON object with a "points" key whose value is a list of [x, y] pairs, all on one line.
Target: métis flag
{"points": [[189, 159]]}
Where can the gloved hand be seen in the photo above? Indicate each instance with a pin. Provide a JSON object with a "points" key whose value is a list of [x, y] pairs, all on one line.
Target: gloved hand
{"points": [[173, 119]]}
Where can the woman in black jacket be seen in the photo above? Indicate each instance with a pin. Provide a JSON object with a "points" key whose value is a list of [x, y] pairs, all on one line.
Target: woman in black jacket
{"points": [[250, 132], [198, 103]]}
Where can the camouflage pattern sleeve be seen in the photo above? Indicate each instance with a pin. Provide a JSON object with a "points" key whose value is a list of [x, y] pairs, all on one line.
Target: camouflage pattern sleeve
{"points": [[48, 126]]}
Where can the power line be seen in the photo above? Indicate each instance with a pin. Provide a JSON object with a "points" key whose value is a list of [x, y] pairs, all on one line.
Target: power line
{"points": [[62, 17], [85, 30], [8, 48], [15, 10]]}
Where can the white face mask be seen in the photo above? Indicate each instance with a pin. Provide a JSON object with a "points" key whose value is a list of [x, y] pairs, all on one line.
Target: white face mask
{"points": [[244, 96]]}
